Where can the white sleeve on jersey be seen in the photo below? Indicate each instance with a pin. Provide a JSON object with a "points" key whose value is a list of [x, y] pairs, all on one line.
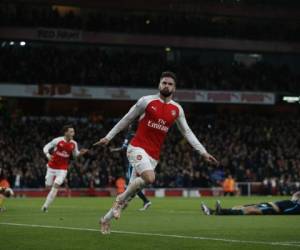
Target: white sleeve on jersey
{"points": [[49, 145], [188, 133], [75, 151], [135, 111]]}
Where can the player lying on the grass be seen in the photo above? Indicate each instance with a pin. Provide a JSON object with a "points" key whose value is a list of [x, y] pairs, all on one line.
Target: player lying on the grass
{"points": [[129, 177], [283, 207], [64, 148], [156, 113]]}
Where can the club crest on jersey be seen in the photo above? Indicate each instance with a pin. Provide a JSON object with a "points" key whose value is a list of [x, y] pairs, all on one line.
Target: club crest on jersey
{"points": [[173, 112], [139, 157]]}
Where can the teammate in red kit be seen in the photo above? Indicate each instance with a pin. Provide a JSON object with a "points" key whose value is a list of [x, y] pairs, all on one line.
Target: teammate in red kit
{"points": [[156, 115], [64, 148]]}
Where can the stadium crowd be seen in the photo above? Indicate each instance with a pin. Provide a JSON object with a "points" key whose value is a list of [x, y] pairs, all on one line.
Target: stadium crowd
{"points": [[141, 22], [250, 147], [78, 65]]}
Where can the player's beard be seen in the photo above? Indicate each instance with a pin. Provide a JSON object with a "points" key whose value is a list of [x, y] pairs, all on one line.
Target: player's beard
{"points": [[69, 137], [165, 92]]}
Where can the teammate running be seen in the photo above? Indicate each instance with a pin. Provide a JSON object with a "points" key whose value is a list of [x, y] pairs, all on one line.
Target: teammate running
{"points": [[64, 148]]}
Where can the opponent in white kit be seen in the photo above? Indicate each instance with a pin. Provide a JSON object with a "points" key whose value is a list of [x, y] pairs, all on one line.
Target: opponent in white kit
{"points": [[64, 148], [156, 115]]}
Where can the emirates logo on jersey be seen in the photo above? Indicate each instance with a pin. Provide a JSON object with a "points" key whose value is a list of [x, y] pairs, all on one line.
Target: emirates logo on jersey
{"points": [[160, 125], [139, 157], [173, 112]]}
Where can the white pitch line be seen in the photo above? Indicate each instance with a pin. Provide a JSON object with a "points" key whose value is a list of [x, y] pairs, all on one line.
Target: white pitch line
{"points": [[157, 234]]}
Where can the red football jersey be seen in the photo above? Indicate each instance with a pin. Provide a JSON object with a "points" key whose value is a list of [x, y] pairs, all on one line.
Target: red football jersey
{"points": [[156, 117], [63, 150], [154, 126]]}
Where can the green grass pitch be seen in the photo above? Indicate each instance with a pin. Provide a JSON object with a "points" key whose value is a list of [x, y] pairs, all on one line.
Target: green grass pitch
{"points": [[171, 223]]}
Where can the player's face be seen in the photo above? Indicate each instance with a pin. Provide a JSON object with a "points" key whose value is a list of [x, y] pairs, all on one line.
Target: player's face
{"points": [[70, 133], [166, 86]]}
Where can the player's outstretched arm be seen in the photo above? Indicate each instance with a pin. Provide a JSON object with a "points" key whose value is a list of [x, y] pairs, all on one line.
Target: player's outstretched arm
{"points": [[82, 151], [103, 141], [192, 139], [209, 158], [78, 153], [135, 111]]}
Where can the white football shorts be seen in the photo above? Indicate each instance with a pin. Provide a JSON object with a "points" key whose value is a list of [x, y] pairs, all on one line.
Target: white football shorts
{"points": [[55, 175], [140, 161]]}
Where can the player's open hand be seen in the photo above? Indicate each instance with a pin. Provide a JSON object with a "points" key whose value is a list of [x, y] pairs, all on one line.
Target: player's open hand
{"points": [[210, 159], [83, 151], [103, 141]]}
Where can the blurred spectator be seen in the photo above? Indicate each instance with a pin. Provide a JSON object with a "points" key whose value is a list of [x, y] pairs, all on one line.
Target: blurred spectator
{"points": [[229, 186]]}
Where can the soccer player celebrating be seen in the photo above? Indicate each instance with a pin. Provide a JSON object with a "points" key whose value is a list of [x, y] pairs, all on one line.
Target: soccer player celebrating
{"points": [[64, 148], [156, 115], [284, 207]]}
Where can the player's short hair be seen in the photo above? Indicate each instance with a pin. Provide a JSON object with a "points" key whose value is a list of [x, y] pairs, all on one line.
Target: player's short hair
{"points": [[168, 74], [65, 128]]}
